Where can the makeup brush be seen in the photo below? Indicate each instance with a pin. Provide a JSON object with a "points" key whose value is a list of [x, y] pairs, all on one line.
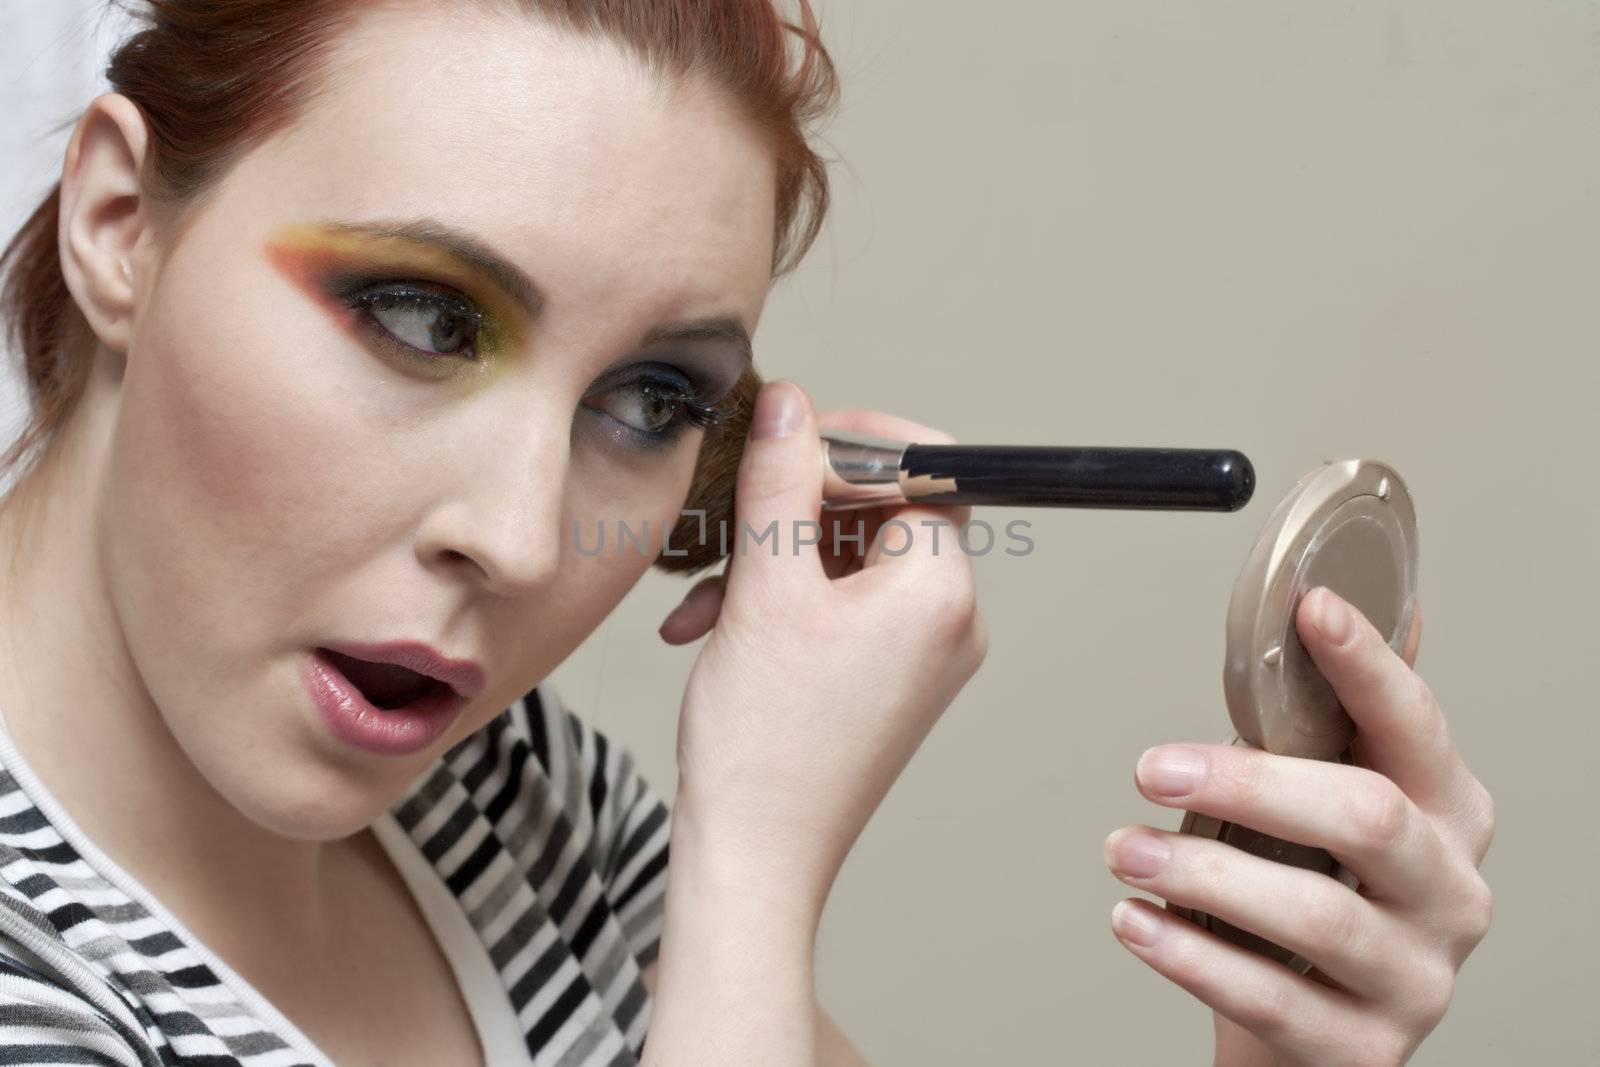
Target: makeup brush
{"points": [[864, 471]]}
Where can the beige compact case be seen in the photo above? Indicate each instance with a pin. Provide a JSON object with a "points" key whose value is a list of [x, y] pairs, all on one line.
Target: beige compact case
{"points": [[1349, 525]]}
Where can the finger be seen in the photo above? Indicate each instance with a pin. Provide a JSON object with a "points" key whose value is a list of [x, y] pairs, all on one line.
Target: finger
{"points": [[953, 518], [1319, 917], [846, 535], [850, 536], [1302, 1019], [778, 492], [921, 536], [1413, 644], [924, 572], [696, 614], [1358, 815], [1402, 728]]}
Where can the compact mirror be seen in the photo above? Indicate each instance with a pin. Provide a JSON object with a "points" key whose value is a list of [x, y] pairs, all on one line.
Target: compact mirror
{"points": [[1349, 525]]}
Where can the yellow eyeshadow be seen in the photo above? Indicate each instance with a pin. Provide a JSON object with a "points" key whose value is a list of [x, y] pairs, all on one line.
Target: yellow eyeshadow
{"points": [[308, 253]]}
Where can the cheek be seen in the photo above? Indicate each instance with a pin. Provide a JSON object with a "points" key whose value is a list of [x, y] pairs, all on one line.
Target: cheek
{"points": [[222, 493], [630, 498], [618, 516]]}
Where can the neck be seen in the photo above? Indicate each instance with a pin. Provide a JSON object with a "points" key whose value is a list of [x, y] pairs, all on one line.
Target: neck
{"points": [[78, 711]]}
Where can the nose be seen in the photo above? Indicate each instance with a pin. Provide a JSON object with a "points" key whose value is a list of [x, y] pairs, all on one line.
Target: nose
{"points": [[501, 517]]}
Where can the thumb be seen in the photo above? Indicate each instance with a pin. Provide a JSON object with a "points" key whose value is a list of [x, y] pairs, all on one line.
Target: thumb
{"points": [[778, 495]]}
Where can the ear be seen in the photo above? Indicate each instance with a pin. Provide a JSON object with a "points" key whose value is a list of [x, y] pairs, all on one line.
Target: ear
{"points": [[103, 213]]}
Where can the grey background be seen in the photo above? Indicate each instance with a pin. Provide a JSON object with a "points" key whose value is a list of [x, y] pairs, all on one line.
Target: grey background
{"points": [[1302, 230]]}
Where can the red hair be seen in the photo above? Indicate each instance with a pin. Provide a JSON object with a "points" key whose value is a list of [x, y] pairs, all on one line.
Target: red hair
{"points": [[212, 77]]}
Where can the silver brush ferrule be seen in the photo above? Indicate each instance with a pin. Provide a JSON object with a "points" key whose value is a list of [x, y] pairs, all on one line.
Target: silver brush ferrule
{"points": [[860, 471]]}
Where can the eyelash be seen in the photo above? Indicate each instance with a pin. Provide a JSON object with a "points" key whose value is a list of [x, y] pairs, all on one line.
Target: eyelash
{"points": [[362, 296], [697, 405]]}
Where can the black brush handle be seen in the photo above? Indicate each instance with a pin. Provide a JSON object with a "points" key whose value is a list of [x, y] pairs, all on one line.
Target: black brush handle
{"points": [[1169, 479]]}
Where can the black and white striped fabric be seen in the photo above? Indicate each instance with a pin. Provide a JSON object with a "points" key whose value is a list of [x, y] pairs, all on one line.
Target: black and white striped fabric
{"points": [[544, 832]]}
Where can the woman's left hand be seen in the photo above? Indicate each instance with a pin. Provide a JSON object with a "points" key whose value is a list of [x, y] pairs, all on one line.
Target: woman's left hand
{"points": [[1409, 820]]}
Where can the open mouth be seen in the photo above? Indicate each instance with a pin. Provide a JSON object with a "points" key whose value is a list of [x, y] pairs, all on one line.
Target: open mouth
{"points": [[385, 685]]}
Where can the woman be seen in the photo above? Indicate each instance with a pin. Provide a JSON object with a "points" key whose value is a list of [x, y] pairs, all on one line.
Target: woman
{"points": [[349, 328]]}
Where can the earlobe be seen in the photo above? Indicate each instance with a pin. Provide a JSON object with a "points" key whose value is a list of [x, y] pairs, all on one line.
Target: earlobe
{"points": [[103, 214]]}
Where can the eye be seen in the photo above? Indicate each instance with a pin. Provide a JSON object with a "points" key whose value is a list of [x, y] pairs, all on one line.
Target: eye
{"points": [[428, 321], [656, 406]]}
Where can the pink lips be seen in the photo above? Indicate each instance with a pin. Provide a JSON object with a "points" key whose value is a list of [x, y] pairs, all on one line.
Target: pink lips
{"points": [[355, 720]]}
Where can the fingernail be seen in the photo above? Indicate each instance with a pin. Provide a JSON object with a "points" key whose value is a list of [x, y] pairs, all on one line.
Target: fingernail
{"points": [[1136, 854], [1134, 924], [1171, 770], [1332, 616], [777, 412]]}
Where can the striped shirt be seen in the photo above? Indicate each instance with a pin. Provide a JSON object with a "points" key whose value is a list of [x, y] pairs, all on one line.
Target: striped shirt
{"points": [[543, 832]]}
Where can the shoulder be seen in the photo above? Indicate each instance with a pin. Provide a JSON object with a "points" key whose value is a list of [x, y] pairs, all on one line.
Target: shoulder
{"points": [[45, 1020], [538, 772], [622, 819], [597, 774], [92, 968], [538, 726], [562, 742], [556, 846]]}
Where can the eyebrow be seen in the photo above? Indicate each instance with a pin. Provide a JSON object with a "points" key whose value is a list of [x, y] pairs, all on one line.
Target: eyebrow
{"points": [[505, 275], [511, 280], [722, 329]]}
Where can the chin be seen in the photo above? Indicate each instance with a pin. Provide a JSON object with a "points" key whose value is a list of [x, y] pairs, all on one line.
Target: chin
{"points": [[316, 805], [292, 787]]}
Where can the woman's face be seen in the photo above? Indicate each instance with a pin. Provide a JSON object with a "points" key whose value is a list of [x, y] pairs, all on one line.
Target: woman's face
{"points": [[470, 299]]}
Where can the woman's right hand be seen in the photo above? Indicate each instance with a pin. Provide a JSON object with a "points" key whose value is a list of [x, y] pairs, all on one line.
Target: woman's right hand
{"points": [[824, 670]]}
